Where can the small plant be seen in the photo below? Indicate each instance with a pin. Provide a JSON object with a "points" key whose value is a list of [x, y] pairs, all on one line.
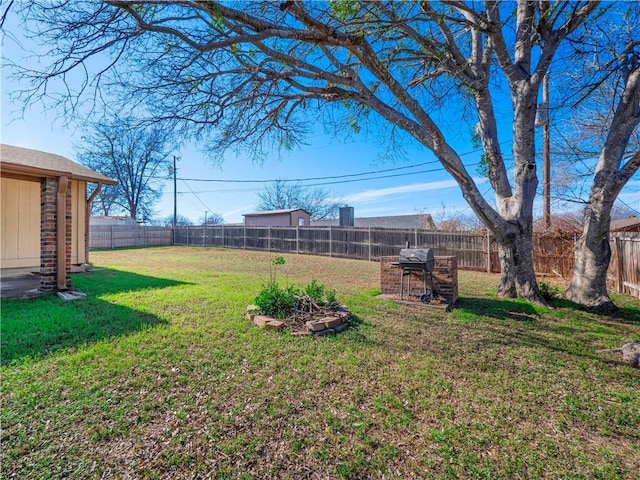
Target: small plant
{"points": [[315, 291], [275, 301], [275, 261], [548, 291], [331, 299], [320, 294]]}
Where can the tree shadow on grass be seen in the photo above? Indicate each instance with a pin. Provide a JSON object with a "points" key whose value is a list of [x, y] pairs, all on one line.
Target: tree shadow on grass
{"points": [[625, 314], [500, 309], [42, 326]]}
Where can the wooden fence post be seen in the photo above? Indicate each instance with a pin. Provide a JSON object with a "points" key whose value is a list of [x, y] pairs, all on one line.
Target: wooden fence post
{"points": [[369, 243], [244, 236], [620, 264], [488, 251], [330, 241], [415, 238], [269, 239], [297, 239]]}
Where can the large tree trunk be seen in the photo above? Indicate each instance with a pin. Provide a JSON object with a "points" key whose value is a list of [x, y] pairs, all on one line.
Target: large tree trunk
{"points": [[518, 277], [592, 255]]}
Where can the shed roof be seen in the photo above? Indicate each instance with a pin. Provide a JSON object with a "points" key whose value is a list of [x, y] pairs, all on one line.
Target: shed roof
{"points": [[625, 224], [274, 212], [34, 162]]}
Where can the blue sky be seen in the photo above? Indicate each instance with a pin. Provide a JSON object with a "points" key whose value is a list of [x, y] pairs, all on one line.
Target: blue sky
{"points": [[409, 192], [424, 188]]}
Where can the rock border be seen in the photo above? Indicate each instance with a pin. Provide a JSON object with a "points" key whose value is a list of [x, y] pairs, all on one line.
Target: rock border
{"points": [[326, 323]]}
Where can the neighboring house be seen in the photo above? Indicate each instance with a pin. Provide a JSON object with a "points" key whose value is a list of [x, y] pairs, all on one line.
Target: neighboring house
{"points": [[422, 221], [626, 225], [45, 213], [294, 217], [112, 220]]}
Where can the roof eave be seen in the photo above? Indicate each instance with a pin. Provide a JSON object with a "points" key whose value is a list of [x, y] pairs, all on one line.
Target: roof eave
{"points": [[17, 169]]}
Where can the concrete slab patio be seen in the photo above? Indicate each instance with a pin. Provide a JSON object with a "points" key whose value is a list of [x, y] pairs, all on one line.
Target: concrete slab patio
{"points": [[25, 282], [19, 283]]}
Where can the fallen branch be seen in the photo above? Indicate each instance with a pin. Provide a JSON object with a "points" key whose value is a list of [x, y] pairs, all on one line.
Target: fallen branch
{"points": [[630, 353]]}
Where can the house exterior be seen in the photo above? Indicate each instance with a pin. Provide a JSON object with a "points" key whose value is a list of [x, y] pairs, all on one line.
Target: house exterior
{"points": [[44, 213], [626, 225], [294, 217], [421, 221]]}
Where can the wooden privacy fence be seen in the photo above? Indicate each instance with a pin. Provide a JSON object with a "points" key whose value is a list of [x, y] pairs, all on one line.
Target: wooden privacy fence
{"points": [[624, 268], [348, 242], [115, 236], [553, 255]]}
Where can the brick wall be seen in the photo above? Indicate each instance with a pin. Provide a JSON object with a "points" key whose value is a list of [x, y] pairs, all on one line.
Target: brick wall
{"points": [[48, 235], [445, 278]]}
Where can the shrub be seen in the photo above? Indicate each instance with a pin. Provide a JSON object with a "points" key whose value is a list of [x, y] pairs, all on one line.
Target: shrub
{"points": [[548, 291], [315, 291], [275, 301], [331, 300]]}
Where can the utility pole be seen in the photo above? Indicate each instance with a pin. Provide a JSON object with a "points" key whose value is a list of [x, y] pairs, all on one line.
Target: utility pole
{"points": [[175, 195], [546, 154], [204, 230]]}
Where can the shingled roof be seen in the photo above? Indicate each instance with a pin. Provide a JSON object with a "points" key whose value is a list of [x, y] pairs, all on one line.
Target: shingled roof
{"points": [[626, 225], [25, 161]]}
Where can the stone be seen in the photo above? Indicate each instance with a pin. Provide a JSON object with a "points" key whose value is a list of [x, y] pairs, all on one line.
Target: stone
{"points": [[69, 295], [261, 320], [326, 331], [340, 328], [252, 308], [331, 322], [315, 325], [274, 325]]}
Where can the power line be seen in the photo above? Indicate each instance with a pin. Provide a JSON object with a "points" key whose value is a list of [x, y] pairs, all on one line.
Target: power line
{"points": [[335, 182], [197, 197], [308, 179], [351, 175]]}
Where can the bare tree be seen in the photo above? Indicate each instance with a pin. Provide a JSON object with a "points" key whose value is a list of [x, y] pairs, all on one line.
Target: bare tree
{"points": [[135, 157], [621, 211], [449, 220], [257, 71], [613, 170], [601, 146], [212, 218], [181, 221], [282, 194], [104, 202]]}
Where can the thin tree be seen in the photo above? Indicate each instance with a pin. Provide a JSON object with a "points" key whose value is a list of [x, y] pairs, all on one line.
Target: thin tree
{"points": [[135, 157], [259, 71], [281, 194]]}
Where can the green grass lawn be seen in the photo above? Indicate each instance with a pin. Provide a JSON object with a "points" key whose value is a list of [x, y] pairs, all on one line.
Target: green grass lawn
{"points": [[157, 374]]}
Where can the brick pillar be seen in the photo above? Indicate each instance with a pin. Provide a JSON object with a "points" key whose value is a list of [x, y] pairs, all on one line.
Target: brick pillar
{"points": [[69, 236], [49, 235]]}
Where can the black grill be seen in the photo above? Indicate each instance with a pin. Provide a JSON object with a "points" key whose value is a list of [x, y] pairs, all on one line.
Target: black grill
{"points": [[416, 259], [420, 260]]}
